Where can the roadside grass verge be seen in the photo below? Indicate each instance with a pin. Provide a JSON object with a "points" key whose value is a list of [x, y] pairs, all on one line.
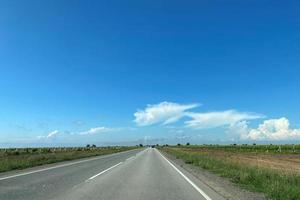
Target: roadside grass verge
{"points": [[12, 159], [276, 185]]}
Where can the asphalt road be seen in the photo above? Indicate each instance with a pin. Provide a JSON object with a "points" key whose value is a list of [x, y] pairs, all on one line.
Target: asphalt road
{"points": [[133, 175]]}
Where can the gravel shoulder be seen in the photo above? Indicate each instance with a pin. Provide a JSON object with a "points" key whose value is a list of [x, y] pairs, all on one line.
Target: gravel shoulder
{"points": [[222, 186]]}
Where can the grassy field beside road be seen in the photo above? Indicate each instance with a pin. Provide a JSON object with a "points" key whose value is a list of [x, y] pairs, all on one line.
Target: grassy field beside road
{"points": [[273, 171], [20, 158]]}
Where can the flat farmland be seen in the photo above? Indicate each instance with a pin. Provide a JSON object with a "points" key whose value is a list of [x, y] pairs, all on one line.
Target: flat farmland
{"points": [[288, 162]]}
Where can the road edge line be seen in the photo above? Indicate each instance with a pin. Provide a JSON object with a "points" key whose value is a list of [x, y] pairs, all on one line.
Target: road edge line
{"points": [[186, 178]]}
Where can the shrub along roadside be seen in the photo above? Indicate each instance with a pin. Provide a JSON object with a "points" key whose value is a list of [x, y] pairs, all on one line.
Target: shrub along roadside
{"points": [[275, 185], [21, 159]]}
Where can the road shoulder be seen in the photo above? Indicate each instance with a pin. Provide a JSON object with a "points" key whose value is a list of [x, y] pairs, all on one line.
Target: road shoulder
{"points": [[221, 185]]}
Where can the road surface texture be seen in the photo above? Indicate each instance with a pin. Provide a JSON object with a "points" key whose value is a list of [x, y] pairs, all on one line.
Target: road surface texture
{"points": [[142, 174]]}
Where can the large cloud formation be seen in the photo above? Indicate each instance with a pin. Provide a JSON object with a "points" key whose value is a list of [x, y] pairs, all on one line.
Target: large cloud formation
{"points": [[272, 129], [168, 112], [164, 113], [235, 122], [218, 119]]}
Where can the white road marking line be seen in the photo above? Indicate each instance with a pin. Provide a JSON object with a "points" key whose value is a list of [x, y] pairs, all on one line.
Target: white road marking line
{"points": [[130, 158], [104, 171], [59, 166], [140, 153], [49, 168], [187, 179]]}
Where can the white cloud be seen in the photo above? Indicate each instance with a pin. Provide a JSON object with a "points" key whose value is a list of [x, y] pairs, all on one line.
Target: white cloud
{"points": [[98, 130], [272, 129], [164, 112], [238, 130], [50, 135], [218, 119], [103, 129]]}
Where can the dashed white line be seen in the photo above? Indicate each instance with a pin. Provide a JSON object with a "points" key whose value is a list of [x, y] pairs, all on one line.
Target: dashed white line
{"points": [[187, 179], [130, 158], [104, 171]]}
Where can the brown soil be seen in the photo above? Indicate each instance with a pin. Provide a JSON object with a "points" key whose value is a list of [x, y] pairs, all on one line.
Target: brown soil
{"points": [[286, 163]]}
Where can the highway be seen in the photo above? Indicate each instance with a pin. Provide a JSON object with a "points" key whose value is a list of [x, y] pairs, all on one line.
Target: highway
{"points": [[141, 174]]}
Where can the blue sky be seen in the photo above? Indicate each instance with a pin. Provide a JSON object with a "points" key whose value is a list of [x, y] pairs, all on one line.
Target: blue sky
{"points": [[124, 72]]}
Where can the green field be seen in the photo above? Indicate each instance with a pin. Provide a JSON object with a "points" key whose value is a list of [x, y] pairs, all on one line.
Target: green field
{"points": [[20, 158], [259, 168]]}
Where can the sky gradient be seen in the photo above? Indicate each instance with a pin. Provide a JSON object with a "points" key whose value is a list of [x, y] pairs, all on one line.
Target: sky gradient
{"points": [[125, 72]]}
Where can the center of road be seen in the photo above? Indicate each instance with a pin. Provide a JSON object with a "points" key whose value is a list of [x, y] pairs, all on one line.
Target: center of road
{"points": [[171, 164]]}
